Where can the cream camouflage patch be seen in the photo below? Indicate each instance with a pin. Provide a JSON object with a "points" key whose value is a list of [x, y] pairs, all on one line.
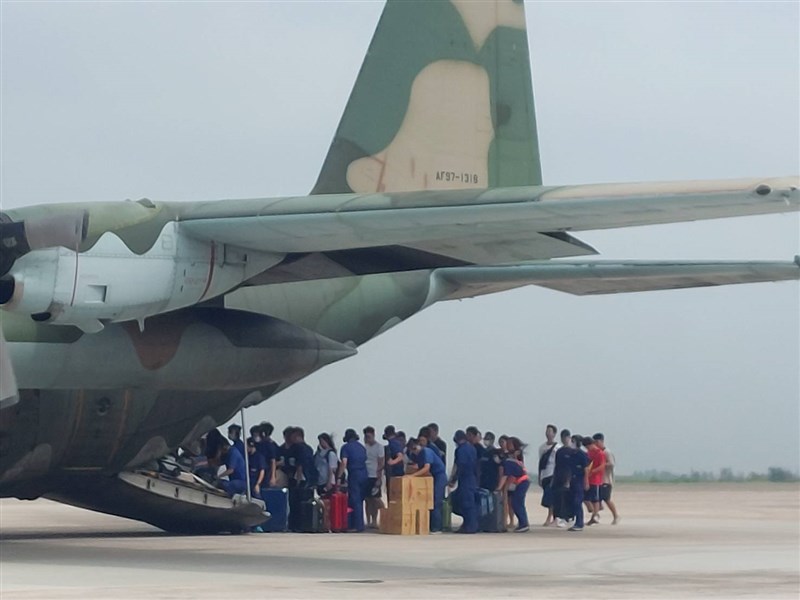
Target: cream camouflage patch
{"points": [[482, 18], [443, 142]]}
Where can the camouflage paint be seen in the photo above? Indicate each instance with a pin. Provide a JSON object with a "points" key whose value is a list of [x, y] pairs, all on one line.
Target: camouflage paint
{"points": [[480, 49], [443, 102]]}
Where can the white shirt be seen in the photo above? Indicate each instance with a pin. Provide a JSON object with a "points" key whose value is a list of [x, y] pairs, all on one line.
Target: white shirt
{"points": [[550, 467], [608, 474], [374, 453]]}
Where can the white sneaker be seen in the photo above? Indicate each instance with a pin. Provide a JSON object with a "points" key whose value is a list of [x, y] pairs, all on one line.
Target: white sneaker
{"points": [[561, 523]]}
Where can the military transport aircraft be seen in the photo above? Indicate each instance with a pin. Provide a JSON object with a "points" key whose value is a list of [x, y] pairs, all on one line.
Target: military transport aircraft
{"points": [[131, 328]]}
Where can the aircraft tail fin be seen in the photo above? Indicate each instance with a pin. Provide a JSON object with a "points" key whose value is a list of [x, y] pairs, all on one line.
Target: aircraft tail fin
{"points": [[444, 100]]}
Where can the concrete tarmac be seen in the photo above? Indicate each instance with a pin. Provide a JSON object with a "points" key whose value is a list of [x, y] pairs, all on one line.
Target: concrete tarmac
{"points": [[674, 541]]}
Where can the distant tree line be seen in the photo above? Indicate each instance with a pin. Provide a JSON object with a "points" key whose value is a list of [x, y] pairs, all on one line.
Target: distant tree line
{"points": [[774, 474]]}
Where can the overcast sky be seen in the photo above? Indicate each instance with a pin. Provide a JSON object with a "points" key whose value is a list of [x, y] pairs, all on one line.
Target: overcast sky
{"points": [[196, 101]]}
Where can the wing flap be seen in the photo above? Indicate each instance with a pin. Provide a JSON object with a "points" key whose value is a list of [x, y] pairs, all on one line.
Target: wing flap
{"points": [[611, 277]]}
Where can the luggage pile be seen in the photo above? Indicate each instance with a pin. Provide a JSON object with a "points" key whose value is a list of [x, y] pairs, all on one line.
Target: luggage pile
{"points": [[301, 511], [410, 500]]}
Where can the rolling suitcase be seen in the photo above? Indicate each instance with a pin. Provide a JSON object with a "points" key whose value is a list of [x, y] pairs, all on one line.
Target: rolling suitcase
{"points": [[338, 512], [447, 514], [494, 521], [484, 501], [312, 517], [297, 497], [277, 501]]}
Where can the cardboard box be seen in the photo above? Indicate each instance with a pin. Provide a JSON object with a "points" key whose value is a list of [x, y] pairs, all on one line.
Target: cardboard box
{"points": [[410, 500]]}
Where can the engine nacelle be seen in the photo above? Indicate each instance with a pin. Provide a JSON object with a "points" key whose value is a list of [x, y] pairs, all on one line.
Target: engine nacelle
{"points": [[110, 282]]}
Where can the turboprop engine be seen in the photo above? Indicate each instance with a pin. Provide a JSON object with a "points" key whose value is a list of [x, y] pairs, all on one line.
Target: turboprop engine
{"points": [[48, 278], [55, 271]]}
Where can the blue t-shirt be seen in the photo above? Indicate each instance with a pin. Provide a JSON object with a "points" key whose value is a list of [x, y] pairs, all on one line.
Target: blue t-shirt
{"points": [[426, 456], [239, 445], [234, 460], [256, 463], [393, 448], [356, 456], [480, 451], [563, 469], [490, 468], [304, 457], [465, 459], [286, 454], [267, 449], [512, 468], [578, 463]]}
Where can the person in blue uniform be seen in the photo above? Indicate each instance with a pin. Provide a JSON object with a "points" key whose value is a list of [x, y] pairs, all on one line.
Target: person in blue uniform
{"points": [[475, 438], [235, 436], [354, 460], [515, 481], [579, 480], [424, 439], [394, 465], [268, 449], [464, 474], [234, 471], [429, 463], [257, 467]]}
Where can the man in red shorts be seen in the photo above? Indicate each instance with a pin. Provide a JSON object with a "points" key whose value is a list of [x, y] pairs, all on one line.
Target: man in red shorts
{"points": [[597, 467]]}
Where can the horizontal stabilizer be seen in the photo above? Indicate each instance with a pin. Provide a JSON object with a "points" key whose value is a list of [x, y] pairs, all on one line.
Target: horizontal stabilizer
{"points": [[610, 277], [449, 222]]}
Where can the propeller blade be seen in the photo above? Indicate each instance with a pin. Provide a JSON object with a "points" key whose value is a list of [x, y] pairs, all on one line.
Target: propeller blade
{"points": [[9, 394]]}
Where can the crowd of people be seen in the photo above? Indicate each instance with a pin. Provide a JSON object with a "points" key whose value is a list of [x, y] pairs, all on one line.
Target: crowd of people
{"points": [[574, 472]]}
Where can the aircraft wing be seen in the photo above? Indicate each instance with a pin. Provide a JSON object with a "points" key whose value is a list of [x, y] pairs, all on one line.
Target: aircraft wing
{"points": [[449, 223], [609, 277]]}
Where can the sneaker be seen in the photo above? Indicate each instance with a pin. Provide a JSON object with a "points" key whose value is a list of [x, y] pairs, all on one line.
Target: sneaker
{"points": [[522, 529], [573, 528], [561, 523], [435, 533], [257, 529]]}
